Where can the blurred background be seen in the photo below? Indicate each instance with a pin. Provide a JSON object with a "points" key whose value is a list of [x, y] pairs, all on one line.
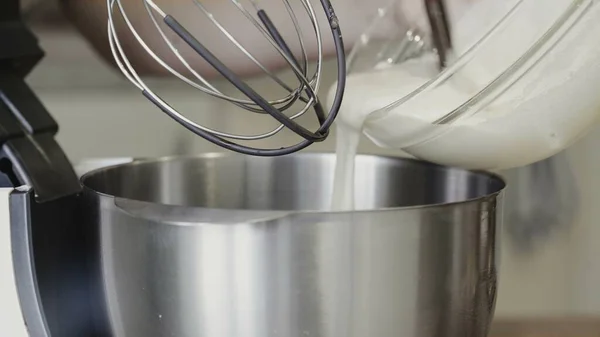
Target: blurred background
{"points": [[551, 245]]}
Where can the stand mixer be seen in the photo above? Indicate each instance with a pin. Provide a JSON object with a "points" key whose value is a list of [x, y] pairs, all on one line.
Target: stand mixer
{"points": [[247, 249]]}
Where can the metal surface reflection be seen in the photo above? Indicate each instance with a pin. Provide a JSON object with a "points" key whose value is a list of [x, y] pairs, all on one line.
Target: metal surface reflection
{"points": [[237, 246]]}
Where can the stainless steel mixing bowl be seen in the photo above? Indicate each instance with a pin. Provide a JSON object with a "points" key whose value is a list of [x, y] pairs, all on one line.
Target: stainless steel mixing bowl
{"points": [[230, 246]]}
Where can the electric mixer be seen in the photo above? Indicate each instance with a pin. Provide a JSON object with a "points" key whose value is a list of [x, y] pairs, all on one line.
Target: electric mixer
{"points": [[80, 262]]}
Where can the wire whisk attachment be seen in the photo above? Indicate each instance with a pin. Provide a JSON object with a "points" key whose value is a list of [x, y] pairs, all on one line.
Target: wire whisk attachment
{"points": [[305, 92]]}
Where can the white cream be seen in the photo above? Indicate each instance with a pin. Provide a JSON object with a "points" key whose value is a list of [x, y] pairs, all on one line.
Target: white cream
{"points": [[544, 112], [357, 106]]}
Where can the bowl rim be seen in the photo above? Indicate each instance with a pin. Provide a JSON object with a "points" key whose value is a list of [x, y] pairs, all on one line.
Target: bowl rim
{"points": [[212, 155]]}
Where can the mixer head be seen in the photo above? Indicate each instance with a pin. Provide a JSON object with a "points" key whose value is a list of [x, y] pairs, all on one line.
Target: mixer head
{"points": [[305, 92]]}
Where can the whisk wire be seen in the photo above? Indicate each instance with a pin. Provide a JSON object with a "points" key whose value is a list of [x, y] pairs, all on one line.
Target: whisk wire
{"points": [[239, 83], [212, 90], [126, 67], [254, 101], [269, 36], [240, 46], [226, 135]]}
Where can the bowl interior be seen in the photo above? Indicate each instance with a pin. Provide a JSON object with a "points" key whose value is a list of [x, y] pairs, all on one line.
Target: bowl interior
{"points": [[300, 182]]}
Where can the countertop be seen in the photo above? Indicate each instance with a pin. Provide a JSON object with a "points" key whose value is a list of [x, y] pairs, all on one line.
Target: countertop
{"points": [[548, 327]]}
